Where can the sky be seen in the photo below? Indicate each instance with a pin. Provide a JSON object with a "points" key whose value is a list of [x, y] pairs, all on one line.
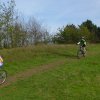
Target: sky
{"points": [[58, 13]]}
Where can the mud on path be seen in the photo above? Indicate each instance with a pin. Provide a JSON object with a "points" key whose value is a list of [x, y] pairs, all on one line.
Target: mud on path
{"points": [[30, 72]]}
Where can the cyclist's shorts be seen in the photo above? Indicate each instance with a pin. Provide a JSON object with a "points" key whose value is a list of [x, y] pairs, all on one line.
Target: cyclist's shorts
{"points": [[83, 45], [1, 64]]}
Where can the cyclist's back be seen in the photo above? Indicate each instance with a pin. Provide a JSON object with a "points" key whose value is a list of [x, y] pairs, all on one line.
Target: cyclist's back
{"points": [[82, 42]]}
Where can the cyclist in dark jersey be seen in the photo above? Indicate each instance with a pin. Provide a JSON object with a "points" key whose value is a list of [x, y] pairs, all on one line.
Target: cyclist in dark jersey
{"points": [[82, 44]]}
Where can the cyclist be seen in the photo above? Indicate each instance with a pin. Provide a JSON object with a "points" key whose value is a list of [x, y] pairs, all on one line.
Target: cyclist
{"points": [[1, 61], [82, 44]]}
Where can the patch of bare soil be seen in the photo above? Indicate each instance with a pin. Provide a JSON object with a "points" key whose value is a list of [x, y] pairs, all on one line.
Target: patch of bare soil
{"points": [[30, 72]]}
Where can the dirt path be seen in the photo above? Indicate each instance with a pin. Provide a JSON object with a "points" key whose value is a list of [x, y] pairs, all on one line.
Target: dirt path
{"points": [[30, 72]]}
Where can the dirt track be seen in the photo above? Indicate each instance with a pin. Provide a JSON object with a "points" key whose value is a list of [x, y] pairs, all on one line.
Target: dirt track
{"points": [[30, 72]]}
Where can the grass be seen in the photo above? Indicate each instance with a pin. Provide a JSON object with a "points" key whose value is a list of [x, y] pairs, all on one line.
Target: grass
{"points": [[20, 59], [76, 79]]}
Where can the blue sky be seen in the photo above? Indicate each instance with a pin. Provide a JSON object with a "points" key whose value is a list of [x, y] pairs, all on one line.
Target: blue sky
{"points": [[57, 13]]}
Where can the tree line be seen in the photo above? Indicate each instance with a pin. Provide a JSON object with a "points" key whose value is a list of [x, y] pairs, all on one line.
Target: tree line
{"points": [[16, 32], [72, 33]]}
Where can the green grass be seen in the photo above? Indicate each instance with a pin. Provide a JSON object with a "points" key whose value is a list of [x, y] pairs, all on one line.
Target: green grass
{"points": [[20, 59], [76, 79]]}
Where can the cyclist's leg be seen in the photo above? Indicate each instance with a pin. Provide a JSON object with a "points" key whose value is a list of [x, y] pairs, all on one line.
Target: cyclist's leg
{"points": [[83, 51], [79, 52]]}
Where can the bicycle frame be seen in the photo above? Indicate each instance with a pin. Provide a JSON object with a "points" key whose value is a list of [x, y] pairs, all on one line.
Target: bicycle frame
{"points": [[81, 51]]}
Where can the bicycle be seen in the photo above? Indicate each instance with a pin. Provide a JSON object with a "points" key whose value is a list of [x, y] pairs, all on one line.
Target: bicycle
{"points": [[81, 52], [3, 76]]}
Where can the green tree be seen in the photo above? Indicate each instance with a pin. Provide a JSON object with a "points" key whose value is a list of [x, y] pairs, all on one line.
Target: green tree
{"points": [[83, 31], [68, 34], [93, 30], [7, 20]]}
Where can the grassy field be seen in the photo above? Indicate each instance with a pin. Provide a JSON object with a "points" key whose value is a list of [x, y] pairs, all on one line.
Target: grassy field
{"points": [[19, 59], [75, 79]]}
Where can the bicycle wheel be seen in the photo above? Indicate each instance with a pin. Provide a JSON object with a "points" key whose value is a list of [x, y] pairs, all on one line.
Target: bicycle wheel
{"points": [[3, 76], [79, 54]]}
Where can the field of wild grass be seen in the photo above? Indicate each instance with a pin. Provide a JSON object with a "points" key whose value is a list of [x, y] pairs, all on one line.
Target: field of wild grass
{"points": [[19, 59], [75, 79]]}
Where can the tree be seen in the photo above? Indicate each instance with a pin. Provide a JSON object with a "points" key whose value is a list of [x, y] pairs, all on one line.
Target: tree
{"points": [[71, 34], [83, 31], [93, 30], [36, 32], [89, 25], [15, 32], [67, 34], [98, 34], [7, 19]]}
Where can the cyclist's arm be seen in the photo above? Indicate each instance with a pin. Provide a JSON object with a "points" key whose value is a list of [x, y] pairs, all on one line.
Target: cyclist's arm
{"points": [[85, 42], [78, 43]]}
